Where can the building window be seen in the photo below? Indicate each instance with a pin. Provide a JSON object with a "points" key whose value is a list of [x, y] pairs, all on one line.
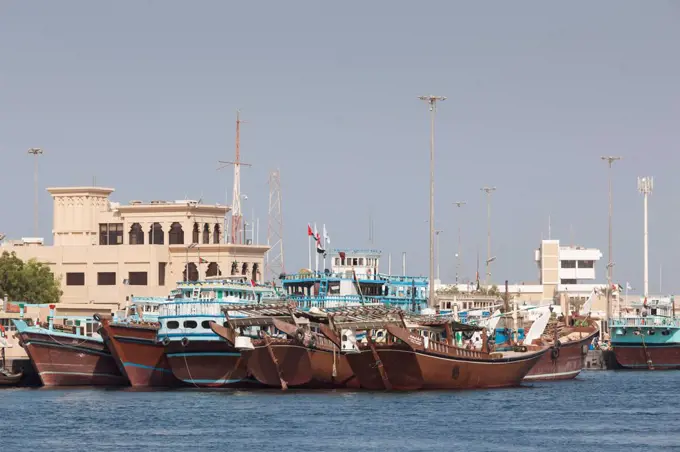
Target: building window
{"points": [[586, 264], [568, 264], [111, 234], [244, 268], [194, 238], [256, 271], [161, 273], [75, 279], [567, 281], [106, 278], [156, 234], [176, 236], [216, 234], [213, 270], [138, 279], [206, 234], [136, 235], [193, 272]]}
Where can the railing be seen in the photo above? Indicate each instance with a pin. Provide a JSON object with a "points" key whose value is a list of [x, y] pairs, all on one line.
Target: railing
{"points": [[331, 301], [644, 321], [440, 347]]}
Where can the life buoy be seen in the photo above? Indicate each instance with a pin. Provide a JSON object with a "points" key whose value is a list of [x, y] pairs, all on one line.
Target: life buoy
{"points": [[166, 341], [184, 342], [555, 353], [97, 317]]}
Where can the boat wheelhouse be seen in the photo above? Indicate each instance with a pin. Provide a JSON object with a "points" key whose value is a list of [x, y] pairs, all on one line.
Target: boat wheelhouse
{"points": [[197, 355], [355, 278]]}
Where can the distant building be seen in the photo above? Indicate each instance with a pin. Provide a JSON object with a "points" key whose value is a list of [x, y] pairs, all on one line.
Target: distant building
{"points": [[561, 269], [105, 252]]}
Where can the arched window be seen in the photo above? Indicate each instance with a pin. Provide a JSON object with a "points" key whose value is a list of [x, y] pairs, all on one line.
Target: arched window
{"points": [[206, 234], [256, 272], [213, 270], [176, 235], [193, 272], [216, 234], [244, 268], [234, 267], [194, 238], [156, 234], [136, 236]]}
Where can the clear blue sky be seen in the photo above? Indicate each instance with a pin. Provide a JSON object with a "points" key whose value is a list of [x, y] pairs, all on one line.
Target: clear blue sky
{"points": [[142, 95]]}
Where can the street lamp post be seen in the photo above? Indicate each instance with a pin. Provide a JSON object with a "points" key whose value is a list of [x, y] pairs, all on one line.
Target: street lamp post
{"points": [[432, 101], [610, 264], [645, 186], [437, 232], [458, 254], [488, 191]]}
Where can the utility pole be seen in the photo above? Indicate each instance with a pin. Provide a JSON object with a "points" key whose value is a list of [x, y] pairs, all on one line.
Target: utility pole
{"points": [[36, 152], [488, 191], [236, 215], [458, 254], [610, 264], [432, 102], [645, 186]]}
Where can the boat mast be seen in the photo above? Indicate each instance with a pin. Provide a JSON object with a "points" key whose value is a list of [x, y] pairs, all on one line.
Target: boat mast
{"points": [[236, 215]]}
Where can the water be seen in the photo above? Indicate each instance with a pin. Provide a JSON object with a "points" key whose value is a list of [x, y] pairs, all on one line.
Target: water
{"points": [[617, 411]]}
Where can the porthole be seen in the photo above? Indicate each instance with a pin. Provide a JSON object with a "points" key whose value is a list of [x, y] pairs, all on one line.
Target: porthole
{"points": [[205, 324], [173, 324], [190, 324]]}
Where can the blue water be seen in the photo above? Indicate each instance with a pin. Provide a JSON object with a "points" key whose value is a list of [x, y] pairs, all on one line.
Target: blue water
{"points": [[617, 411]]}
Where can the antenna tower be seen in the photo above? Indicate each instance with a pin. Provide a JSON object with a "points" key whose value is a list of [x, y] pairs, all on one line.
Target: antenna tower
{"points": [[236, 214], [274, 263]]}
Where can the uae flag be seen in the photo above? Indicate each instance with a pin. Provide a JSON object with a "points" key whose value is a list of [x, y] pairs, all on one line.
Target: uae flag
{"points": [[202, 261], [310, 233], [319, 246]]}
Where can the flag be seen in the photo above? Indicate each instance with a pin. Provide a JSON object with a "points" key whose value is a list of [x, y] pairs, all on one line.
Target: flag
{"points": [[309, 231], [628, 286], [325, 236], [342, 255], [202, 261], [252, 283]]}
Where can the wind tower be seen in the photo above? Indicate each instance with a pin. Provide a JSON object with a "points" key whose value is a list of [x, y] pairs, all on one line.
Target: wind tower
{"points": [[236, 213], [274, 263]]}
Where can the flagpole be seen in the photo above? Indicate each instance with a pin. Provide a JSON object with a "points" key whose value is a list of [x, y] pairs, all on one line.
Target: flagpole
{"points": [[316, 255], [324, 246], [310, 252]]}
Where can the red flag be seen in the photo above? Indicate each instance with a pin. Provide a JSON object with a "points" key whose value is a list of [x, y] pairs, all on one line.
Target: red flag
{"points": [[309, 231], [342, 255]]}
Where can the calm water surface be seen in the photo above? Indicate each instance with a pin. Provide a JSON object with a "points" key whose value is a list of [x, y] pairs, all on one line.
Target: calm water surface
{"points": [[617, 411]]}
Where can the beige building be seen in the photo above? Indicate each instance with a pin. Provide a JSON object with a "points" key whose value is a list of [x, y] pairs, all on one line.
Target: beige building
{"points": [[568, 270], [105, 252]]}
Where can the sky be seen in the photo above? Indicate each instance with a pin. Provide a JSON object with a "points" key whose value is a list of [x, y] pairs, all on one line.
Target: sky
{"points": [[140, 95]]}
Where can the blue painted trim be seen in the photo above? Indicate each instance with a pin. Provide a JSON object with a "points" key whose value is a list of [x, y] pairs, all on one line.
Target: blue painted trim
{"points": [[190, 335], [142, 366]]}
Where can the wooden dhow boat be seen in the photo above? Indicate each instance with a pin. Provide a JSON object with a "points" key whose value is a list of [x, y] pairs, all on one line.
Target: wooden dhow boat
{"points": [[63, 357], [139, 355], [284, 349], [568, 339], [408, 352]]}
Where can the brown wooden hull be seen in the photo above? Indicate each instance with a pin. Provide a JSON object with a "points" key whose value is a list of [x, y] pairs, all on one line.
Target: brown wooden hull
{"points": [[634, 357], [65, 361], [408, 370], [299, 366], [207, 364], [568, 363], [139, 356]]}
